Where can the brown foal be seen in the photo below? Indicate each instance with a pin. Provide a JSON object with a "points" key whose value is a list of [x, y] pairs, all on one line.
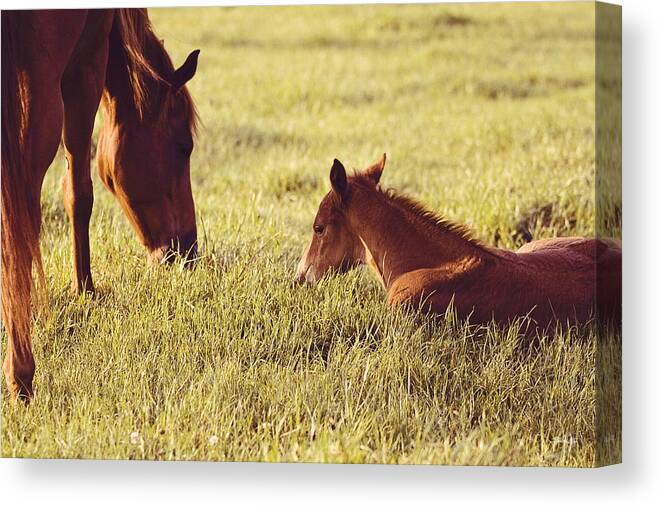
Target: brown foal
{"points": [[428, 262]]}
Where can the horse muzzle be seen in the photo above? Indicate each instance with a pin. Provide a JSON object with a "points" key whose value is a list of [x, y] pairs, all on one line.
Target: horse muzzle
{"points": [[305, 275], [181, 247]]}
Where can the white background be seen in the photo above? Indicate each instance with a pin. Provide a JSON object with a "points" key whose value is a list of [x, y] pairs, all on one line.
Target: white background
{"points": [[636, 482]]}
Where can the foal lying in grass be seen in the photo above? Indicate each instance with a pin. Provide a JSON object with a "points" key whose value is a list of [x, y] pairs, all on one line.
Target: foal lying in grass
{"points": [[428, 262]]}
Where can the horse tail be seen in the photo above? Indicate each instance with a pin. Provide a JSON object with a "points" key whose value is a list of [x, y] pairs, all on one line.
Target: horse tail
{"points": [[20, 213], [131, 32]]}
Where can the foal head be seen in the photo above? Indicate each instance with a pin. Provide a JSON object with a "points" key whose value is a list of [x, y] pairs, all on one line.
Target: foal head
{"points": [[334, 247], [144, 160]]}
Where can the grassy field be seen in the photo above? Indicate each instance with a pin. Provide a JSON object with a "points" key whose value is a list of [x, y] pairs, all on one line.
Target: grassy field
{"points": [[487, 115]]}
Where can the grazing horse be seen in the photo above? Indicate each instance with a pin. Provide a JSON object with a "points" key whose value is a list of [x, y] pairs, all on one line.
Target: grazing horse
{"points": [[429, 263], [57, 67]]}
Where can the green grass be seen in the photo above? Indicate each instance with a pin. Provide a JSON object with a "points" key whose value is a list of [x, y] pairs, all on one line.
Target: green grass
{"points": [[487, 115]]}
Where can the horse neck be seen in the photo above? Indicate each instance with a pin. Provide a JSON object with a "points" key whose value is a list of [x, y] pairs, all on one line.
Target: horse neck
{"points": [[399, 240]]}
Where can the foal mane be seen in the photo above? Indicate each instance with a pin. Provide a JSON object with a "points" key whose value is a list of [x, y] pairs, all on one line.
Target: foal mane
{"points": [[430, 220], [149, 67]]}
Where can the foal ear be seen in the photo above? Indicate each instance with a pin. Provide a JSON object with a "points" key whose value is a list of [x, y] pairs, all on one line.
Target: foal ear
{"points": [[374, 171], [338, 178], [184, 73]]}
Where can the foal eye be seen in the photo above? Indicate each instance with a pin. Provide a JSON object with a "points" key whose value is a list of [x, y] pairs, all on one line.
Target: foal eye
{"points": [[318, 229]]}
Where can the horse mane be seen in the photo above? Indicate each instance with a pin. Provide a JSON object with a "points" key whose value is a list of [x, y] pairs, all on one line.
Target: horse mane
{"points": [[430, 220], [148, 67]]}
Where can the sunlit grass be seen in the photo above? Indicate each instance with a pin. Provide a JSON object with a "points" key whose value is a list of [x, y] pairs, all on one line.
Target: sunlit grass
{"points": [[487, 115]]}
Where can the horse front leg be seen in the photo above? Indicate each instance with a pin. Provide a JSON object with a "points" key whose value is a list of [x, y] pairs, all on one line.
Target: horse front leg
{"points": [[32, 118], [21, 221], [78, 202], [82, 85]]}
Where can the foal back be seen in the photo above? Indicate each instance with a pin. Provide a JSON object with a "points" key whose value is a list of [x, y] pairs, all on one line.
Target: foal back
{"points": [[560, 280], [588, 266]]}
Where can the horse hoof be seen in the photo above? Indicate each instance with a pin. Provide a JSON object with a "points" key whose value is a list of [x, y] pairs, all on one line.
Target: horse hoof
{"points": [[82, 288], [20, 389]]}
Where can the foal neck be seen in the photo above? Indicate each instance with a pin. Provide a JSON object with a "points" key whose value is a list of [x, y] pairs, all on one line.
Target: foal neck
{"points": [[400, 236]]}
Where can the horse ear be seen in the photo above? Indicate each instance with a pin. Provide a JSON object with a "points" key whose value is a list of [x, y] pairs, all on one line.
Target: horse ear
{"points": [[184, 73], [338, 178], [375, 170]]}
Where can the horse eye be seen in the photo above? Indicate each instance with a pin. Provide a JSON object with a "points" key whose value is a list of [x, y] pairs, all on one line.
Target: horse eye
{"points": [[318, 229]]}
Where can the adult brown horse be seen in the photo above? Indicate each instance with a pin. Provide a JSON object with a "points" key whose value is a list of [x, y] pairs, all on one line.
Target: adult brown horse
{"points": [[429, 263], [57, 66]]}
